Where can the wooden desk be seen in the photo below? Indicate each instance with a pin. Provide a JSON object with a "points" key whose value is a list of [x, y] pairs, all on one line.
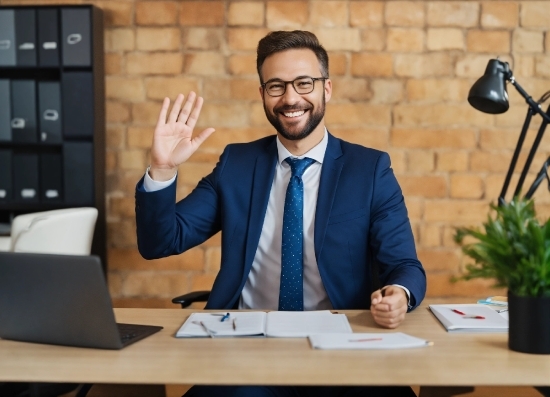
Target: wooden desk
{"points": [[466, 359]]}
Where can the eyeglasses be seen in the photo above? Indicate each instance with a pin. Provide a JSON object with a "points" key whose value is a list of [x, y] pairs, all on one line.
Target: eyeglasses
{"points": [[302, 85]]}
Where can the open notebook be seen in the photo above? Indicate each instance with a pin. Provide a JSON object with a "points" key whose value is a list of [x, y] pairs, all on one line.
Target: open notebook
{"points": [[272, 324], [469, 318]]}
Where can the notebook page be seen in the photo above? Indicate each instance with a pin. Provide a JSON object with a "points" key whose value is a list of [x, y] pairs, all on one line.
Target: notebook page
{"points": [[237, 324], [364, 341], [303, 324]]}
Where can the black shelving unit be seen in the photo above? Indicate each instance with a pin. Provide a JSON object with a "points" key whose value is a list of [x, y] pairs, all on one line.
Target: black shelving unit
{"points": [[52, 112]]}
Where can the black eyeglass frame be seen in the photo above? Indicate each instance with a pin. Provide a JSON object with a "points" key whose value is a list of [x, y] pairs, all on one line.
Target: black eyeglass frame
{"points": [[314, 79]]}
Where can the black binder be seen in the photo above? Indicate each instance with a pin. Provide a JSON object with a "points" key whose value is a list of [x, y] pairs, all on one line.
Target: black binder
{"points": [[50, 177], [49, 112], [78, 173], [5, 176], [7, 38], [5, 110], [48, 38], [25, 37], [76, 36], [23, 109], [25, 177]]}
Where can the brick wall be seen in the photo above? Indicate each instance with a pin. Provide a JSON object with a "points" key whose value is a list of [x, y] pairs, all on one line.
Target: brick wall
{"points": [[401, 72]]}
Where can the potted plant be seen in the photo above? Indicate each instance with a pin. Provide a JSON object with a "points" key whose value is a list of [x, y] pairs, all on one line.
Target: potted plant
{"points": [[513, 248]]}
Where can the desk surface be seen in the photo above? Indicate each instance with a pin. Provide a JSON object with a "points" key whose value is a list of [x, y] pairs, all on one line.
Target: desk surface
{"points": [[463, 359]]}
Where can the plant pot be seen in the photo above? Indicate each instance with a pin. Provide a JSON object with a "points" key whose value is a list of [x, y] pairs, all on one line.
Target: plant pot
{"points": [[529, 330]]}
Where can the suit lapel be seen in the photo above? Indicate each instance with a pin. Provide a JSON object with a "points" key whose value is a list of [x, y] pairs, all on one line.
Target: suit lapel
{"points": [[330, 174], [264, 171]]}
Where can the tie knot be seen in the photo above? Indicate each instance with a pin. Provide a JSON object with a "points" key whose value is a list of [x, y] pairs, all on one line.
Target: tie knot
{"points": [[298, 166]]}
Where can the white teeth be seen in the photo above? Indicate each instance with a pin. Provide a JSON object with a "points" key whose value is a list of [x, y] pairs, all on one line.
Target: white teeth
{"points": [[294, 114]]}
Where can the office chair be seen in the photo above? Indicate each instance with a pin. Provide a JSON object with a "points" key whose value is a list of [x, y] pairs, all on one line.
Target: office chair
{"points": [[66, 231]]}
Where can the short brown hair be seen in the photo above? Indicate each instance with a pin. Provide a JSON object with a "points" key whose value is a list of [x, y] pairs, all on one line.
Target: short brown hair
{"points": [[284, 40]]}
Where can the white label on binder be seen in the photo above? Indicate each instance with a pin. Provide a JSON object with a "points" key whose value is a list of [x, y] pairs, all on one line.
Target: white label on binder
{"points": [[43, 136], [5, 44], [28, 193], [51, 115], [18, 123], [51, 193], [49, 45], [74, 38], [27, 46], [3, 193]]}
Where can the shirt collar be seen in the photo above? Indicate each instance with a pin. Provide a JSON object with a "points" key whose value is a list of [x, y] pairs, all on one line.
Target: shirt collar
{"points": [[316, 153]]}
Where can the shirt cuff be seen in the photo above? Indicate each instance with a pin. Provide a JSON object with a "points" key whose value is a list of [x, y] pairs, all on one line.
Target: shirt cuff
{"points": [[150, 185], [408, 295]]}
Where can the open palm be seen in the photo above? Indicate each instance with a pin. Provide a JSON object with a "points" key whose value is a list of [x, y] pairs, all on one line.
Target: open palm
{"points": [[173, 140]]}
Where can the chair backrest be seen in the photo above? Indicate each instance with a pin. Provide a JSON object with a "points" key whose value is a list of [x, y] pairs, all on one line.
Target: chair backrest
{"points": [[66, 231]]}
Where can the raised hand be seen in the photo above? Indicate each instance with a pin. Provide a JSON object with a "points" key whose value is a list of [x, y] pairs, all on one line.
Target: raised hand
{"points": [[173, 140]]}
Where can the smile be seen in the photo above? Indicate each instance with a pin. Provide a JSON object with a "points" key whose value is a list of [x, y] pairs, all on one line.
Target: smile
{"points": [[294, 114]]}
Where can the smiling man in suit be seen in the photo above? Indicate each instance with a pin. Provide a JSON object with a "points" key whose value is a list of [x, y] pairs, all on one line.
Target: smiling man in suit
{"points": [[308, 221]]}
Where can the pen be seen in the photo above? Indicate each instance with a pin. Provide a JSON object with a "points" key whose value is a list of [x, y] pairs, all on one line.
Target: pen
{"points": [[459, 312], [225, 317], [234, 324], [476, 317], [364, 340]]}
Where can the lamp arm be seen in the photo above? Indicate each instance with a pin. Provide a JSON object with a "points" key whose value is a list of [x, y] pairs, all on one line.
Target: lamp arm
{"points": [[540, 177], [532, 152], [530, 101], [513, 162]]}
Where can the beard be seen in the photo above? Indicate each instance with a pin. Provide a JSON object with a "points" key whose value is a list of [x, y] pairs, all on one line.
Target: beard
{"points": [[312, 122]]}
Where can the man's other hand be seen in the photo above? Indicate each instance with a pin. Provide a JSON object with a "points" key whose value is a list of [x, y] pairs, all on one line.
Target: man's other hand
{"points": [[388, 306]]}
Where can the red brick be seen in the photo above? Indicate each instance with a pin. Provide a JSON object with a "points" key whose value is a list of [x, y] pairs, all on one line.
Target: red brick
{"points": [[499, 14], [350, 89], [366, 14], [154, 63], [371, 65], [245, 39], [440, 115], [328, 13], [423, 65], [204, 63], [535, 14], [202, 13], [246, 13], [116, 13], [437, 90], [348, 114], [488, 41], [445, 39], [158, 39], [156, 12], [161, 87], [405, 40], [242, 64], [203, 38], [339, 39], [405, 13], [452, 13], [386, 91], [471, 211], [420, 161], [373, 39], [423, 186], [286, 14], [452, 161], [466, 186], [117, 112]]}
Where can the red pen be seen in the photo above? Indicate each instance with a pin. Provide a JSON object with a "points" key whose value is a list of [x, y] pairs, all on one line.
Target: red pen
{"points": [[364, 340], [459, 312], [477, 317]]}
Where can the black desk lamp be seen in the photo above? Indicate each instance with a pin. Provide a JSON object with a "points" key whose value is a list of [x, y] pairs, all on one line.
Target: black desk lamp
{"points": [[488, 94]]}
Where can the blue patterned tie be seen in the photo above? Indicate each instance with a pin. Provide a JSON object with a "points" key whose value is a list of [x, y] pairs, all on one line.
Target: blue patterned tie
{"points": [[291, 296]]}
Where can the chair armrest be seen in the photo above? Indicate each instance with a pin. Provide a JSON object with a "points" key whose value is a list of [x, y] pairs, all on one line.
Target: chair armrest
{"points": [[185, 300]]}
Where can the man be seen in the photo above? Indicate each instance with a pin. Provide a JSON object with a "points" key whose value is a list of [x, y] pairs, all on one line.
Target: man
{"points": [[349, 209]]}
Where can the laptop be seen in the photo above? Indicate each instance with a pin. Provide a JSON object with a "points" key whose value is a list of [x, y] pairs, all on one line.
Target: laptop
{"points": [[60, 300]]}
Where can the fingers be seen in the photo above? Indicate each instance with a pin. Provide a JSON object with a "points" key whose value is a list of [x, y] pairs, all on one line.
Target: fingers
{"points": [[388, 307], [188, 108], [200, 138], [376, 297], [176, 109], [194, 115], [163, 112]]}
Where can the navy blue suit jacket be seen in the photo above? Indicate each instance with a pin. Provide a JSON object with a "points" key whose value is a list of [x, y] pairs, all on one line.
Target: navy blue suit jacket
{"points": [[363, 237]]}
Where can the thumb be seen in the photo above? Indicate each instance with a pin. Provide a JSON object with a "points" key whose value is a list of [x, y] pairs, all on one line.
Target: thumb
{"points": [[376, 297]]}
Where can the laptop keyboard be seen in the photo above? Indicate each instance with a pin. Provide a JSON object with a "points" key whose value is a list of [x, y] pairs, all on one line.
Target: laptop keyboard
{"points": [[133, 332]]}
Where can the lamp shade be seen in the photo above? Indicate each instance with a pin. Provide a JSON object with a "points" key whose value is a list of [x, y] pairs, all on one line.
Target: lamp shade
{"points": [[488, 94]]}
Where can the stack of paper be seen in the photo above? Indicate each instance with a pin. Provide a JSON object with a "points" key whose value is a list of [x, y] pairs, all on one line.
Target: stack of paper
{"points": [[273, 324], [396, 340], [469, 318]]}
